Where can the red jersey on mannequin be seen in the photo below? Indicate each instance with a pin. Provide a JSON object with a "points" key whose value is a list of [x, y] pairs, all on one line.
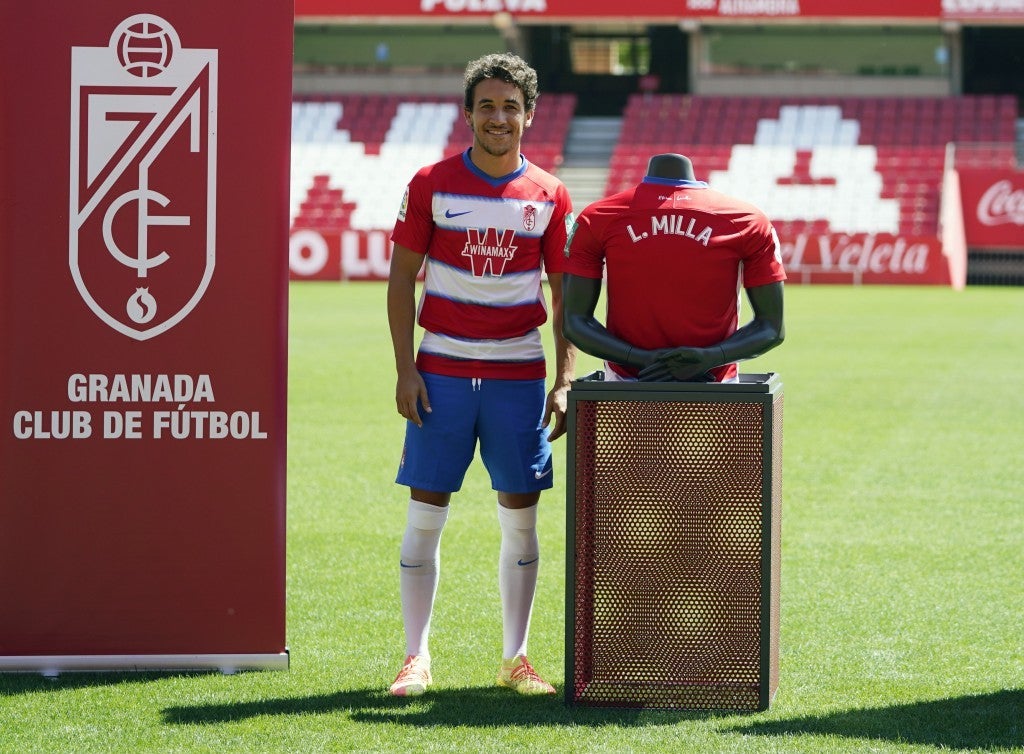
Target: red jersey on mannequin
{"points": [[678, 255]]}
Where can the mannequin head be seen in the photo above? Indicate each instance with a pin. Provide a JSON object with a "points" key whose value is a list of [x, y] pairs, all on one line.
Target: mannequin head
{"points": [[674, 166]]}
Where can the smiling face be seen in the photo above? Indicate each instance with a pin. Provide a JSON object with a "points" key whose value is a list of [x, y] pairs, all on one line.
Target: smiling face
{"points": [[498, 120]]}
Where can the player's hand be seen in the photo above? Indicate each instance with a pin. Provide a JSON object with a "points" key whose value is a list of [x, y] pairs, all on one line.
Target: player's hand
{"points": [[410, 393], [680, 365], [555, 405]]}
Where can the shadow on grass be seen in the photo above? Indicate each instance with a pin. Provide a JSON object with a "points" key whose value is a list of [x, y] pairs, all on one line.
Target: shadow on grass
{"points": [[482, 707], [12, 684], [983, 721]]}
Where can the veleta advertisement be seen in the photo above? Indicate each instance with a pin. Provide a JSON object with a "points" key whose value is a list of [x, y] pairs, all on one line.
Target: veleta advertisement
{"points": [[143, 281]]}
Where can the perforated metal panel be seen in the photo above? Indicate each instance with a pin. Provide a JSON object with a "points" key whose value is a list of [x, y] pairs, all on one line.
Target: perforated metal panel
{"points": [[674, 498]]}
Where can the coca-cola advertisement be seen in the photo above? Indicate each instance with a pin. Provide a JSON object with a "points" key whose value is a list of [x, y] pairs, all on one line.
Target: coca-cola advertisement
{"points": [[993, 202]]}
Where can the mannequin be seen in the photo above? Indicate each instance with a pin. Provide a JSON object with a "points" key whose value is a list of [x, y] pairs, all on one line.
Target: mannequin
{"points": [[679, 362], [673, 166]]}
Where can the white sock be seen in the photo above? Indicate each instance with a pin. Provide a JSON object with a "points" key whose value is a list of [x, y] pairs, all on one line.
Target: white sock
{"points": [[518, 562], [420, 568]]}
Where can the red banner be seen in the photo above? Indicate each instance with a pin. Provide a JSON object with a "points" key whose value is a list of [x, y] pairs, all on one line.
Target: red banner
{"points": [[867, 259], [983, 10], [820, 258], [144, 287], [993, 202], [339, 255], [319, 254], [670, 10]]}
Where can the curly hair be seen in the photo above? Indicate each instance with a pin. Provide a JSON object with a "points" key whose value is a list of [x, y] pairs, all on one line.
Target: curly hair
{"points": [[510, 68]]}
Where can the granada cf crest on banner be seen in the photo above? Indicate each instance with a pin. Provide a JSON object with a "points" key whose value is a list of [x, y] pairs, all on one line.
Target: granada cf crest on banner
{"points": [[143, 176]]}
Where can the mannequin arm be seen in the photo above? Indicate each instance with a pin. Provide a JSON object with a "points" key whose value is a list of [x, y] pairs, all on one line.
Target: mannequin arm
{"points": [[764, 332], [580, 296]]}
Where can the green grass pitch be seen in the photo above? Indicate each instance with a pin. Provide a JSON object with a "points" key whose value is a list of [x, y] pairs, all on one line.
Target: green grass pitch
{"points": [[902, 539]]}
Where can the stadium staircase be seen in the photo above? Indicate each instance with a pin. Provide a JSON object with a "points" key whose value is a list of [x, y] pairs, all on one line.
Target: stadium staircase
{"points": [[588, 151]]}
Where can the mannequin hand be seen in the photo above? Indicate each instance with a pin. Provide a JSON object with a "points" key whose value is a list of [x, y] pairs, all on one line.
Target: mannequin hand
{"points": [[680, 365]]}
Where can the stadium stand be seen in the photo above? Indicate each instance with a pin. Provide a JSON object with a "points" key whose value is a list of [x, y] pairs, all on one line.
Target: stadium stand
{"points": [[839, 164], [352, 155], [845, 164]]}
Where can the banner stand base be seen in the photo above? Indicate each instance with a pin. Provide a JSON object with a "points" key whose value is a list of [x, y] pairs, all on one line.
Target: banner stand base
{"points": [[51, 666]]}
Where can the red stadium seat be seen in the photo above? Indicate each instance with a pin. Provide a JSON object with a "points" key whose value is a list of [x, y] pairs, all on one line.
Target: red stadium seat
{"points": [[910, 135]]}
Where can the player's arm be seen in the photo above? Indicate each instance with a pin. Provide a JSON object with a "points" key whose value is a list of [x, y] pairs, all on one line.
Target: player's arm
{"points": [[764, 332], [565, 362], [580, 327], [410, 388]]}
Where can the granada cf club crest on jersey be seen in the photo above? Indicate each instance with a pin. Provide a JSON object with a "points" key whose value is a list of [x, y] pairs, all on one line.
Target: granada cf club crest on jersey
{"points": [[143, 176], [529, 217]]}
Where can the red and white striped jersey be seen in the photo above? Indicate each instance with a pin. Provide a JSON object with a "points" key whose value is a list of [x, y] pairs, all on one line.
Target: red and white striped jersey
{"points": [[486, 241]]}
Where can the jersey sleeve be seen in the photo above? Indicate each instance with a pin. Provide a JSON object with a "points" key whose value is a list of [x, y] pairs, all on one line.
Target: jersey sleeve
{"points": [[762, 260], [415, 224], [583, 253], [557, 232]]}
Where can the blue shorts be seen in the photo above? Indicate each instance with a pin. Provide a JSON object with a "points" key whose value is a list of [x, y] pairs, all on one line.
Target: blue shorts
{"points": [[505, 415]]}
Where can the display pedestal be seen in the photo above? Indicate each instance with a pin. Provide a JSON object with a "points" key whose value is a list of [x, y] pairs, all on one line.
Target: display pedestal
{"points": [[673, 528]]}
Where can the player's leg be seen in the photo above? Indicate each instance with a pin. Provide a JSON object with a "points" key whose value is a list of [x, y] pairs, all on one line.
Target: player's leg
{"points": [[513, 443], [518, 564], [434, 462], [420, 569], [518, 457]]}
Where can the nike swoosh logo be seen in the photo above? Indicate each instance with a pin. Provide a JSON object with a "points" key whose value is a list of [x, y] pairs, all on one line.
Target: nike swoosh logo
{"points": [[406, 565], [527, 562], [539, 475], [449, 214]]}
